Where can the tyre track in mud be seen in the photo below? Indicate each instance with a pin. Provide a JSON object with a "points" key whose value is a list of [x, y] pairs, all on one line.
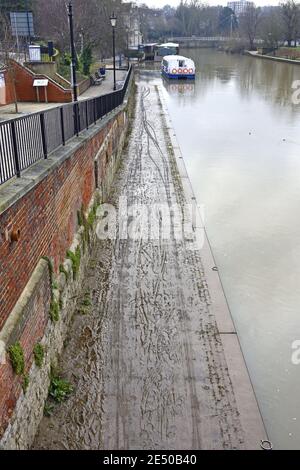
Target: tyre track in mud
{"points": [[147, 362]]}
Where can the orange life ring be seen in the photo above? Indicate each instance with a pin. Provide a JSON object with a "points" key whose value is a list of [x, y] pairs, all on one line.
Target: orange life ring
{"points": [[179, 70], [191, 70], [185, 71]]}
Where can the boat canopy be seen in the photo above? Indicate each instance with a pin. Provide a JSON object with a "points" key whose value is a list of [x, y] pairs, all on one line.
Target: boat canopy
{"points": [[178, 61], [169, 44], [150, 44]]}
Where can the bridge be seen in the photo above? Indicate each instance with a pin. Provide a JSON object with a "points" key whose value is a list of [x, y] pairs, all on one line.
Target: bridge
{"points": [[202, 41], [201, 38], [208, 41]]}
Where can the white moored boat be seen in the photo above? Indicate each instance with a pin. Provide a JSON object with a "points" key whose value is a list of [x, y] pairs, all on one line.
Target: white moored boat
{"points": [[178, 67]]}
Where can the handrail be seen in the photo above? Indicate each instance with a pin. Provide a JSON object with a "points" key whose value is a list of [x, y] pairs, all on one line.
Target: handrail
{"points": [[27, 139]]}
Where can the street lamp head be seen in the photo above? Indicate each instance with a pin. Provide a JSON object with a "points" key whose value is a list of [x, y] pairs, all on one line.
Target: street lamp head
{"points": [[113, 20]]}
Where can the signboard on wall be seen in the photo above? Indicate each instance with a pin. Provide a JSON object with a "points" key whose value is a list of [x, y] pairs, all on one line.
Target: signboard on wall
{"points": [[2, 80], [22, 23], [2, 89], [40, 82], [35, 54]]}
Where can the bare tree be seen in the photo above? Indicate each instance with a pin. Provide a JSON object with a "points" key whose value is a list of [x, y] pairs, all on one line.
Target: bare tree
{"points": [[290, 16], [7, 48], [249, 22], [91, 21], [271, 28]]}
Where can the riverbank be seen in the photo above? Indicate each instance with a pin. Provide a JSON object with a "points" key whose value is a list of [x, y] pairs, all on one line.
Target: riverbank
{"points": [[276, 59], [156, 362]]}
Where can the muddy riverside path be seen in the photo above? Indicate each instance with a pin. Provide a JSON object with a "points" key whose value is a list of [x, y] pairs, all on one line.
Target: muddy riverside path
{"points": [[147, 362]]}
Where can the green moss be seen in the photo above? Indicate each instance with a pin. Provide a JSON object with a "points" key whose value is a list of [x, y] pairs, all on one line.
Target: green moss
{"points": [[84, 307], [16, 355], [63, 270], [87, 302], [60, 389], [83, 310], [88, 222], [53, 283], [25, 383], [39, 354], [93, 213], [48, 409], [54, 311], [86, 234], [80, 217], [75, 258], [92, 217]]}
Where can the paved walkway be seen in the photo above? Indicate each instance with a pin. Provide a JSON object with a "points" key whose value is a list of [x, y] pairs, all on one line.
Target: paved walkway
{"points": [[148, 364], [106, 86], [8, 112]]}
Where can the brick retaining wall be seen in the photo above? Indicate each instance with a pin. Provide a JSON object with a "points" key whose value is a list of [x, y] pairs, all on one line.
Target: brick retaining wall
{"points": [[42, 206]]}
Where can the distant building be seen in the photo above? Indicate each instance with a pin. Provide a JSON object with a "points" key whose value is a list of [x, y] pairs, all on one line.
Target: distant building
{"points": [[240, 7], [133, 26]]}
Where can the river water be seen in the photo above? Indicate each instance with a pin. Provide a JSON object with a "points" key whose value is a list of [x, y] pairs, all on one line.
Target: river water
{"points": [[240, 136]]}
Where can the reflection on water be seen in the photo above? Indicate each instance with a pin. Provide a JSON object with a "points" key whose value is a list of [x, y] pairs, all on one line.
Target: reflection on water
{"points": [[180, 87], [241, 143], [271, 80]]}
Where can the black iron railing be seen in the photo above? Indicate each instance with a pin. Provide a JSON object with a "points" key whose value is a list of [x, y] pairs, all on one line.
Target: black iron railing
{"points": [[25, 140]]}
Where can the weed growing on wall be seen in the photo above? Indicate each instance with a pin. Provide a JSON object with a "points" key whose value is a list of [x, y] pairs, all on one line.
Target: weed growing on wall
{"points": [[16, 355], [75, 259], [39, 354]]}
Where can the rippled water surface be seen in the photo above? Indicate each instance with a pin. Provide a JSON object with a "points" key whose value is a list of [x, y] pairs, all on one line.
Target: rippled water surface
{"points": [[240, 136]]}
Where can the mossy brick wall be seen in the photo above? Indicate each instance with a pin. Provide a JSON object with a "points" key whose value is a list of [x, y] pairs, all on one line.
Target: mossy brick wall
{"points": [[43, 205], [47, 216], [28, 332]]}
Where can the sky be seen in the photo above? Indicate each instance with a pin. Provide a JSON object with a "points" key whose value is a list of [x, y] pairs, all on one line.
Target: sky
{"points": [[161, 3]]}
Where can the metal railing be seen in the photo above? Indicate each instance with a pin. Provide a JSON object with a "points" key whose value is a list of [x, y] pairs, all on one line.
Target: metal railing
{"points": [[27, 139]]}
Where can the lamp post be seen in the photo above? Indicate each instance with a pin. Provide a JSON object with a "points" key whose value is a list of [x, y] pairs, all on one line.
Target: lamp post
{"points": [[128, 59], [113, 20], [28, 22], [73, 52]]}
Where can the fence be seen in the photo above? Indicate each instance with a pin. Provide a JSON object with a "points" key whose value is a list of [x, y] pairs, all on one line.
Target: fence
{"points": [[25, 140]]}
